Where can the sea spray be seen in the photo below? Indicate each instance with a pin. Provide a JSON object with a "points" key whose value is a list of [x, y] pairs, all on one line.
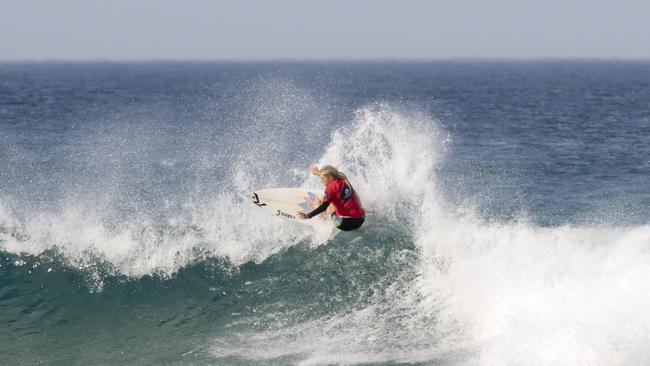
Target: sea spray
{"points": [[473, 291]]}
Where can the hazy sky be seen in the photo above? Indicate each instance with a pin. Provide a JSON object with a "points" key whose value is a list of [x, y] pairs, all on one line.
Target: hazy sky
{"points": [[327, 29]]}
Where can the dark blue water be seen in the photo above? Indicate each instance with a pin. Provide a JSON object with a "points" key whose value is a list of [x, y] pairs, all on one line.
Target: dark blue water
{"points": [[510, 205]]}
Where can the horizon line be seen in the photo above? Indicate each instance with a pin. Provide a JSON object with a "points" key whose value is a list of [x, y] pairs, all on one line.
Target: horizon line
{"points": [[322, 60]]}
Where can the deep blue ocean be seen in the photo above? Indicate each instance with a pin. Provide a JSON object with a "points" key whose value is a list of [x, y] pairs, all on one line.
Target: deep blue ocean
{"points": [[508, 213]]}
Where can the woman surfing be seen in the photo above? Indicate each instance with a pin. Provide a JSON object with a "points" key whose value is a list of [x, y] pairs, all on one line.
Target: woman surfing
{"points": [[347, 213]]}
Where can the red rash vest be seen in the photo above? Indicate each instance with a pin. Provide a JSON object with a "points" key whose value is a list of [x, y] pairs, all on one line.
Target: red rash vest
{"points": [[344, 198]]}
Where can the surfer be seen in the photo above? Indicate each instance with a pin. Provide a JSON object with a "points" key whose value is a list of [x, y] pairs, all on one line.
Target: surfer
{"points": [[347, 214]]}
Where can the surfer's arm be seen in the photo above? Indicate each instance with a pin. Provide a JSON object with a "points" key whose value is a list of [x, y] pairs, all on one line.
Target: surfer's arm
{"points": [[318, 210]]}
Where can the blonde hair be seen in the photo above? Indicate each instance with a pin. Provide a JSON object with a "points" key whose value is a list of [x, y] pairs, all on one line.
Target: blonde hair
{"points": [[334, 173]]}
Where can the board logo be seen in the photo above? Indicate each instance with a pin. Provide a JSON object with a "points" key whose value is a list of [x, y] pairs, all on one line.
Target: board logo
{"points": [[256, 200], [284, 214]]}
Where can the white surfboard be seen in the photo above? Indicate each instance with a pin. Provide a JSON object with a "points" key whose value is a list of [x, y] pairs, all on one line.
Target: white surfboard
{"points": [[285, 202]]}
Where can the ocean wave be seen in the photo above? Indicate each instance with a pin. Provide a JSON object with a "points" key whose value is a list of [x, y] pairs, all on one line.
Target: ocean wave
{"points": [[423, 281]]}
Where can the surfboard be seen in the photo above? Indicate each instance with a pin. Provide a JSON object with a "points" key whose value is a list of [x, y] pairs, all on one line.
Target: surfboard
{"points": [[285, 202]]}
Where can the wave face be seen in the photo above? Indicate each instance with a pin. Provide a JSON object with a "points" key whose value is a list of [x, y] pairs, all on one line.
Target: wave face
{"points": [[508, 214]]}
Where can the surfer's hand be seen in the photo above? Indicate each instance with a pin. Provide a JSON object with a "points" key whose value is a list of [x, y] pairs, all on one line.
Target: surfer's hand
{"points": [[301, 215], [313, 170]]}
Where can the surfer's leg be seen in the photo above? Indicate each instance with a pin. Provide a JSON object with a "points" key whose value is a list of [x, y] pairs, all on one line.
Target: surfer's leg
{"points": [[336, 219], [350, 223]]}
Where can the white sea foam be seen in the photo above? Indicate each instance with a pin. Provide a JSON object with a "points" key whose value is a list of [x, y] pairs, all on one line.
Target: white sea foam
{"points": [[541, 296], [220, 227]]}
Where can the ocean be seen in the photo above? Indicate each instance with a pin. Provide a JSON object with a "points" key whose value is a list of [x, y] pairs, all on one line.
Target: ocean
{"points": [[508, 213]]}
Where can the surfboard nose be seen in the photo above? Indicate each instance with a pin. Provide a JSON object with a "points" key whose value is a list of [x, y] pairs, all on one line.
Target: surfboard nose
{"points": [[255, 199]]}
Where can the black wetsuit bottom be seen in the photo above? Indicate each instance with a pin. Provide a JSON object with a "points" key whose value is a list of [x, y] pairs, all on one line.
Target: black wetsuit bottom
{"points": [[350, 223]]}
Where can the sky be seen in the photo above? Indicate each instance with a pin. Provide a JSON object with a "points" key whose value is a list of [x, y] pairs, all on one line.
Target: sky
{"points": [[326, 29]]}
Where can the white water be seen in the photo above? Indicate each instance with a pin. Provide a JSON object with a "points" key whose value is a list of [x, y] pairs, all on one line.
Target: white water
{"points": [[486, 293], [87, 228]]}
